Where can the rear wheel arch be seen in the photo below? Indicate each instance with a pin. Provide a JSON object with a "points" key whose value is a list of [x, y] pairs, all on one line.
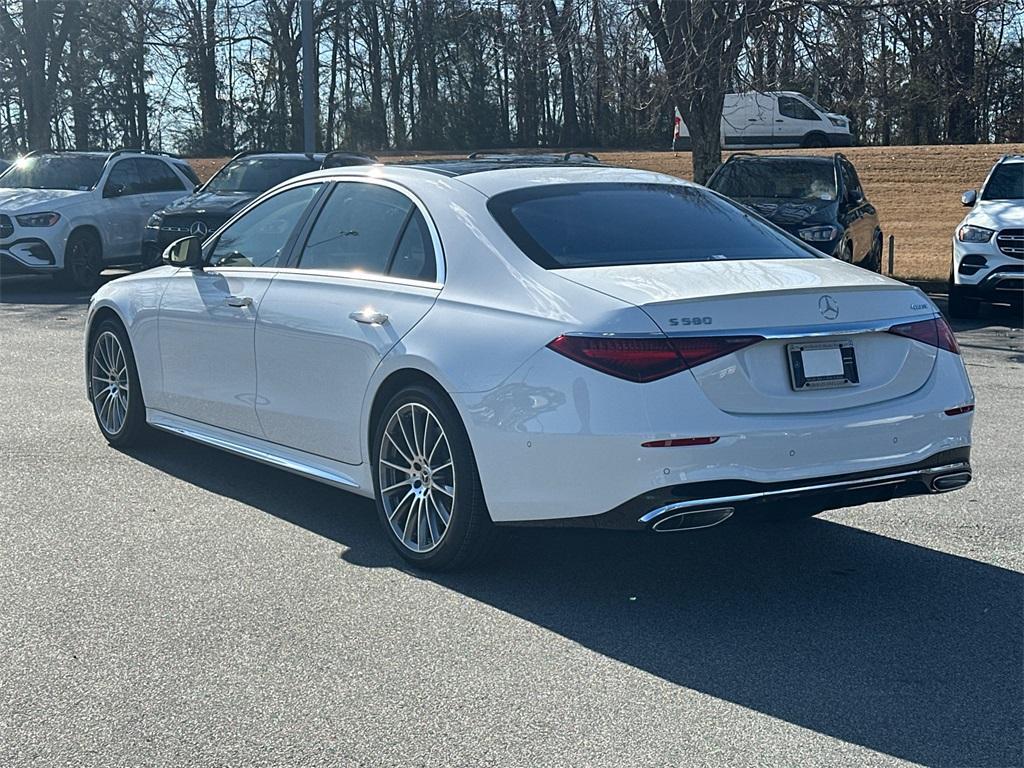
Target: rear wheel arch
{"points": [[392, 384]]}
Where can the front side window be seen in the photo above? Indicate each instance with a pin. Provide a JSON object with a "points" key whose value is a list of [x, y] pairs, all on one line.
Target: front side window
{"points": [[776, 179], [157, 176], [796, 109], [258, 174], [357, 230], [852, 183], [1005, 183], [259, 237], [57, 171], [605, 224]]}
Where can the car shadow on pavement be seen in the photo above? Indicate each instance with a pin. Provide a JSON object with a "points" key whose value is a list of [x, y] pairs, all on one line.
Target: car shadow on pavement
{"points": [[899, 648], [38, 291]]}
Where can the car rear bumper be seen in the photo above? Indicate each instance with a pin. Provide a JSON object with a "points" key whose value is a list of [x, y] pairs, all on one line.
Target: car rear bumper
{"points": [[701, 505]]}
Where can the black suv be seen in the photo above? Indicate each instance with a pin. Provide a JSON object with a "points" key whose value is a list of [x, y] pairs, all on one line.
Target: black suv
{"points": [[242, 179], [818, 199]]}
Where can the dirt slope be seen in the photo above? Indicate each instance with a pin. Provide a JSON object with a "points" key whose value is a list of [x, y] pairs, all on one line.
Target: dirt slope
{"points": [[916, 190]]}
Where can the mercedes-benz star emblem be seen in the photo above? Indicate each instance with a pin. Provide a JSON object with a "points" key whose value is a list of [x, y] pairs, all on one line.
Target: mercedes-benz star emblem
{"points": [[828, 307], [198, 228]]}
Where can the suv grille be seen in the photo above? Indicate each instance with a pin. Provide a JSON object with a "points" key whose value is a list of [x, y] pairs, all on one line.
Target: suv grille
{"points": [[6, 226], [181, 225], [1011, 242]]}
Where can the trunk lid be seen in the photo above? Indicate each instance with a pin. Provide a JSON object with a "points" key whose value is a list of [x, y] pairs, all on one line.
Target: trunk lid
{"points": [[790, 302]]}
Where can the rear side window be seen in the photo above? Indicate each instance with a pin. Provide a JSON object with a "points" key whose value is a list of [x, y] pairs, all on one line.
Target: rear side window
{"points": [[357, 229], [157, 176], [595, 225]]}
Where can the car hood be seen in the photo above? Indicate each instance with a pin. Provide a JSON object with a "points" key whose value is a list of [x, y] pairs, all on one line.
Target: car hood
{"points": [[210, 202], [791, 213], [22, 200], [997, 214]]}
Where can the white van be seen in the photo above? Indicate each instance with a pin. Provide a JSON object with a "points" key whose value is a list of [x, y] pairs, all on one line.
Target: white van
{"points": [[773, 119]]}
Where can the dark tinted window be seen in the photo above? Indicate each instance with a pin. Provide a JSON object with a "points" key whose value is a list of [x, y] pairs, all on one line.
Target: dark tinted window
{"points": [[583, 225], [790, 107], [851, 182], [157, 176], [55, 172], [124, 178], [357, 229], [258, 174], [785, 179], [186, 169], [259, 237], [414, 258], [1005, 183]]}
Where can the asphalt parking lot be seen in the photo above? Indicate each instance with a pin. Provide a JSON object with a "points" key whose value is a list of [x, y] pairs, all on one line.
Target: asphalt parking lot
{"points": [[180, 606]]}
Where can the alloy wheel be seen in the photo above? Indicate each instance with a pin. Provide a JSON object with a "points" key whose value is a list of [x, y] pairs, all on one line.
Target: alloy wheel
{"points": [[416, 472], [110, 388]]}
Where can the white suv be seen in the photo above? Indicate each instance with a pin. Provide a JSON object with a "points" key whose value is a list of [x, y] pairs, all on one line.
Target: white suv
{"points": [[988, 245], [71, 214]]}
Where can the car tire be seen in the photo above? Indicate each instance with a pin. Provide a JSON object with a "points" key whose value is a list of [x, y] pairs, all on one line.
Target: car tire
{"points": [[845, 252], [960, 304], [424, 471], [83, 260], [814, 141], [873, 261], [113, 386]]}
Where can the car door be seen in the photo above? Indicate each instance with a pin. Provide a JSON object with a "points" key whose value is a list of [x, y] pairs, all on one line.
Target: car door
{"points": [[857, 214], [794, 119], [124, 204], [208, 316], [161, 187], [368, 270]]}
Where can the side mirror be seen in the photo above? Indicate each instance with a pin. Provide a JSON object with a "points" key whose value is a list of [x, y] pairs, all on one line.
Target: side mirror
{"points": [[969, 198], [113, 190], [186, 252]]}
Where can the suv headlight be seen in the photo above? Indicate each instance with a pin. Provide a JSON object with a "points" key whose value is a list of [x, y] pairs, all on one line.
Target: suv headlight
{"points": [[969, 233], [838, 122], [155, 221], [819, 234], [47, 219]]}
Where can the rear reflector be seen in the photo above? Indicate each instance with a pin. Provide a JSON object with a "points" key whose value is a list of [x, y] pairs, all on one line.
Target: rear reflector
{"points": [[647, 359], [958, 411], [934, 331], [679, 441]]}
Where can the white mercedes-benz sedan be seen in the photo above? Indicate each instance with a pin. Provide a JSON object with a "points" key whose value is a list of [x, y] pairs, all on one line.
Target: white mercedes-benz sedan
{"points": [[534, 340]]}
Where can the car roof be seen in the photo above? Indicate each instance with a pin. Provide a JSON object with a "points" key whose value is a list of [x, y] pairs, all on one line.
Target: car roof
{"points": [[492, 178], [317, 157], [747, 158]]}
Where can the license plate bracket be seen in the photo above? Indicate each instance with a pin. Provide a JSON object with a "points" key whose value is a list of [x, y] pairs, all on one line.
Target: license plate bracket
{"points": [[822, 365]]}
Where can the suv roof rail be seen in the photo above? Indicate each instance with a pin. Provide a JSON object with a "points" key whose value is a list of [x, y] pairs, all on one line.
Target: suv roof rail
{"points": [[129, 151], [340, 158], [534, 157], [741, 154]]}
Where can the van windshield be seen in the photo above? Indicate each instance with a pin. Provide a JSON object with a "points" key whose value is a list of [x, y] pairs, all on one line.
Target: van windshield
{"points": [[611, 224], [776, 179]]}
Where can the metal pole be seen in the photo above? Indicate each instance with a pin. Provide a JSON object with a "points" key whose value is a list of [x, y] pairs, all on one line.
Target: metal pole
{"points": [[892, 250], [308, 79]]}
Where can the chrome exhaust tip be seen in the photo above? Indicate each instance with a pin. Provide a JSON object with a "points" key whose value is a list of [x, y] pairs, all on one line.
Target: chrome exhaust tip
{"points": [[950, 482], [692, 520]]}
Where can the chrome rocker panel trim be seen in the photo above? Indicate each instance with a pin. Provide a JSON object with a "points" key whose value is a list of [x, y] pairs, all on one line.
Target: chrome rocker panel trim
{"points": [[313, 467]]}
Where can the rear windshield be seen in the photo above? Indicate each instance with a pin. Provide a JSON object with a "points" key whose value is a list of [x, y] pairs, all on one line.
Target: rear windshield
{"points": [[596, 225], [1006, 183], [79, 172], [258, 174], [776, 179]]}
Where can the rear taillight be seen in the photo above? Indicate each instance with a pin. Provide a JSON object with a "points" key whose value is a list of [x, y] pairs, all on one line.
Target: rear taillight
{"points": [[934, 331], [647, 359]]}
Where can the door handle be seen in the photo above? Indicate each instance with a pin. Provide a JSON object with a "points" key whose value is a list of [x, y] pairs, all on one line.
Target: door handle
{"points": [[751, 119], [779, 120], [369, 317], [238, 301]]}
